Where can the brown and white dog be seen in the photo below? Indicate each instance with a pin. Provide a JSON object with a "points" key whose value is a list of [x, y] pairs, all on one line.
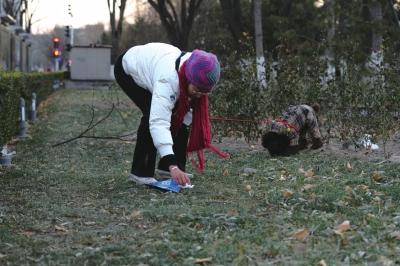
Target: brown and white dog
{"points": [[287, 135]]}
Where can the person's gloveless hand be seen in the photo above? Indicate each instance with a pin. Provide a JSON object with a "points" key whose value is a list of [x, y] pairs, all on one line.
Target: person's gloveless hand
{"points": [[178, 175]]}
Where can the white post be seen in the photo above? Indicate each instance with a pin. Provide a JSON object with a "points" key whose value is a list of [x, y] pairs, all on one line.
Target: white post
{"points": [[56, 64], [22, 124], [33, 108], [260, 59], [71, 39], [22, 106]]}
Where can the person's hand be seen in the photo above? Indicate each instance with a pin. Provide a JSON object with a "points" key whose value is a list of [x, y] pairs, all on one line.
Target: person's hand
{"points": [[178, 175]]}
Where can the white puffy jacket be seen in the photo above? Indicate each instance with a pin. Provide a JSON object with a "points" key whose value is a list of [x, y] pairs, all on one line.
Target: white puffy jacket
{"points": [[152, 66]]}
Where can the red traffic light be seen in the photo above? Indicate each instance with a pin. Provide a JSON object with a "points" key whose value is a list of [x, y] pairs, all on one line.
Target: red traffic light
{"points": [[56, 42]]}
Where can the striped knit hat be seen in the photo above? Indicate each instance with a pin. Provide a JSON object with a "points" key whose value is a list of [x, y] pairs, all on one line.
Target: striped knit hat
{"points": [[203, 70]]}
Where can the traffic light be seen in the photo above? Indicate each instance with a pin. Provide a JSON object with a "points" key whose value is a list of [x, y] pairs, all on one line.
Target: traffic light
{"points": [[56, 42], [67, 31], [56, 53]]}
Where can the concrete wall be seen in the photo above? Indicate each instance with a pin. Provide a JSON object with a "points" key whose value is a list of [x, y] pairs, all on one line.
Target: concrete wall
{"points": [[14, 50], [5, 48], [90, 63]]}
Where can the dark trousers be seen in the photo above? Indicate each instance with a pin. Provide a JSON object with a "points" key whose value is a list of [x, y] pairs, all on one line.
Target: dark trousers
{"points": [[144, 156]]}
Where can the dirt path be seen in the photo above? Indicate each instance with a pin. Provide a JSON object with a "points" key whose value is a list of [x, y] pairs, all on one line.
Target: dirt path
{"points": [[334, 147]]}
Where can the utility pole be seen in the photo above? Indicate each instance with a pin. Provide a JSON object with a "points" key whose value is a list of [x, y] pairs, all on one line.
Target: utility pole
{"points": [[71, 40], [260, 59], [69, 34]]}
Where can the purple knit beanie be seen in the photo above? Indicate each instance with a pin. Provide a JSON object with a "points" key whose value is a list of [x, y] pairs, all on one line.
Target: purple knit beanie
{"points": [[203, 70]]}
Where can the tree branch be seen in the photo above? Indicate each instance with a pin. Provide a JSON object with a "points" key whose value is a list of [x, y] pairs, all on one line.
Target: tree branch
{"points": [[90, 127]]}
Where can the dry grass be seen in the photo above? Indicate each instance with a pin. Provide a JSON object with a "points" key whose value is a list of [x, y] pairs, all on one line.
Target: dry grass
{"points": [[73, 205]]}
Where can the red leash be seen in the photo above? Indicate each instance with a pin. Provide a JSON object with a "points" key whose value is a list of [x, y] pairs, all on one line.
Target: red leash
{"points": [[259, 121], [234, 119]]}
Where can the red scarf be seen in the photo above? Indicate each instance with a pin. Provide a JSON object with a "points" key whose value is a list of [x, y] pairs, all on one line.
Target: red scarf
{"points": [[200, 133]]}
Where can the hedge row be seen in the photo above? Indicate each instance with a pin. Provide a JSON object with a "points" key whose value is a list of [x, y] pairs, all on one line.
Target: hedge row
{"points": [[358, 102], [14, 85]]}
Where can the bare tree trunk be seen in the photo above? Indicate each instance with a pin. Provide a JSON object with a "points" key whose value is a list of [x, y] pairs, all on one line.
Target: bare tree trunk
{"points": [[177, 24], [116, 26], [329, 53], [12, 8], [376, 56], [233, 16], [395, 16], [260, 59]]}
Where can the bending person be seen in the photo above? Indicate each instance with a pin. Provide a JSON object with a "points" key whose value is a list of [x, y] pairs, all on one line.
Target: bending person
{"points": [[171, 89]]}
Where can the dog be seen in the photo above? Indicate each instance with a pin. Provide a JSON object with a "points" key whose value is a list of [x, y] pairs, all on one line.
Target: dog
{"points": [[287, 135]]}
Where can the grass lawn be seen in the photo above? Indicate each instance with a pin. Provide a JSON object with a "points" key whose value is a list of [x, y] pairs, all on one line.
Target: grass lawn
{"points": [[72, 204]]}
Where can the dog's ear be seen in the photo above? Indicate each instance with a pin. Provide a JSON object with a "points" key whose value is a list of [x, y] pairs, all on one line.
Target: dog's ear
{"points": [[316, 107]]}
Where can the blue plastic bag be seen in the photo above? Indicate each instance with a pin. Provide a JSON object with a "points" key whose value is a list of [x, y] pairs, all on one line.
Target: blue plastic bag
{"points": [[168, 185]]}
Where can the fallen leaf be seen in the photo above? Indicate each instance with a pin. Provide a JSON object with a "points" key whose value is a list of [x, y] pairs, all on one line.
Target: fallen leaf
{"points": [[308, 187], [378, 193], [349, 167], [225, 172], [395, 235], [377, 200], [322, 263], [2, 256], [363, 187], [60, 228], [203, 260], [342, 203], [301, 234], [89, 223], [377, 176], [122, 224], [248, 188], [27, 233], [287, 194], [342, 228], [106, 237], [136, 215], [309, 173], [233, 212], [284, 173]]}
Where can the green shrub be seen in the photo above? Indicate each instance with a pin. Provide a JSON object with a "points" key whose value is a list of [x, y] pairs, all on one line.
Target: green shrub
{"points": [[9, 100], [357, 102], [14, 85]]}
